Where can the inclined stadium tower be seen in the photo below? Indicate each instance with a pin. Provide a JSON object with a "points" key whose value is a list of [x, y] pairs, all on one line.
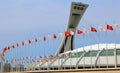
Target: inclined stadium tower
{"points": [[98, 56]]}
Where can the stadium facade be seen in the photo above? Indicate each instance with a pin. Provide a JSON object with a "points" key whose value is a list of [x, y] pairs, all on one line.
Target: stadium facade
{"points": [[93, 56]]}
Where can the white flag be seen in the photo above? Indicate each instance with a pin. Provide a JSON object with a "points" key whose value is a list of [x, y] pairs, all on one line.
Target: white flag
{"points": [[49, 37], [100, 28], [116, 26], [60, 35], [85, 30], [71, 32]]}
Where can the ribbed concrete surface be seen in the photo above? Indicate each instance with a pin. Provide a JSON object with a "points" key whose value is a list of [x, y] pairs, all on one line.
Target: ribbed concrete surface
{"points": [[109, 70]]}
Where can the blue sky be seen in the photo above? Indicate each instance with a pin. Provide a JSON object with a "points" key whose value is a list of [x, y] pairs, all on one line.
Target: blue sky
{"points": [[21, 20]]}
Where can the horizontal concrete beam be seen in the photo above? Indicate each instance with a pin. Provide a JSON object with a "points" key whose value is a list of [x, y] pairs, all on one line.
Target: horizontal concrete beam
{"points": [[94, 70]]}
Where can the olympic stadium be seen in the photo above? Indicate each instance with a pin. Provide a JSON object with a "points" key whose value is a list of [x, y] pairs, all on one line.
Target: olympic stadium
{"points": [[93, 56], [97, 56]]}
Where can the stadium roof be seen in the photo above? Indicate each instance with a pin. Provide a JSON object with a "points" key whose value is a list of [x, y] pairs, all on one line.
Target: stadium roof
{"points": [[96, 47]]}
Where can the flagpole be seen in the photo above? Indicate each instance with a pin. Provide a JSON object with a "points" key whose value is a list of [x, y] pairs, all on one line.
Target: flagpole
{"points": [[99, 49], [115, 50], [62, 54], [52, 52], [48, 54], [77, 50], [106, 50], [39, 52], [100, 29], [84, 51], [60, 35], [91, 51]]}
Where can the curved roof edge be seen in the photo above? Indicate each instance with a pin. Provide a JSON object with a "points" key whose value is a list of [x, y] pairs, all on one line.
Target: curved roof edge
{"points": [[96, 47]]}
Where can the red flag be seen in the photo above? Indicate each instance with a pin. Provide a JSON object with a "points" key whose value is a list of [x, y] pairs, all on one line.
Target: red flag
{"points": [[79, 31], [40, 56], [4, 50], [93, 29], [36, 40], [63, 55], [13, 46], [29, 42], [51, 56], [46, 61], [44, 38], [57, 55], [109, 27], [17, 44], [67, 34], [45, 57], [54, 36], [23, 44], [8, 47]]}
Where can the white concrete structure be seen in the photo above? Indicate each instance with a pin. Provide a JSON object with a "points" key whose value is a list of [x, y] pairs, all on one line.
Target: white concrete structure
{"points": [[98, 55]]}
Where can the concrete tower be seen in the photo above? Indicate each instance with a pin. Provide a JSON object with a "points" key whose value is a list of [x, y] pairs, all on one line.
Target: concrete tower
{"points": [[76, 13]]}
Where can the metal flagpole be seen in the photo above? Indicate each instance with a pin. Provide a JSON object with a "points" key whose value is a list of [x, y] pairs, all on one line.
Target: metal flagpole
{"points": [[84, 51], [48, 55], [39, 52], [106, 50], [115, 50], [76, 51], [64, 53], [60, 35], [100, 29], [52, 49], [90, 52], [44, 52]]}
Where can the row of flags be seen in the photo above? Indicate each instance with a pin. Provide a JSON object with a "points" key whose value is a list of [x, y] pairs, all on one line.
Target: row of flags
{"points": [[54, 36], [32, 61], [41, 58]]}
